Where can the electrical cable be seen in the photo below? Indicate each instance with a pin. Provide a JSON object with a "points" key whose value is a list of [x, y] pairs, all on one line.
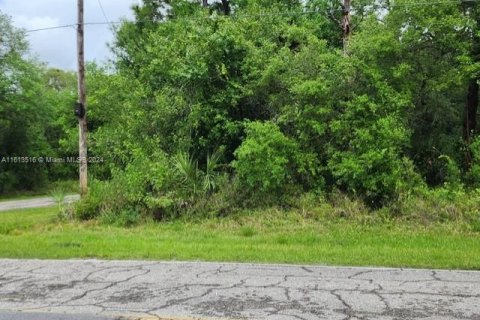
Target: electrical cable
{"points": [[259, 15], [103, 12]]}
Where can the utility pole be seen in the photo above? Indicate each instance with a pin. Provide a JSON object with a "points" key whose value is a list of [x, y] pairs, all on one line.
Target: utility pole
{"points": [[82, 114], [346, 27]]}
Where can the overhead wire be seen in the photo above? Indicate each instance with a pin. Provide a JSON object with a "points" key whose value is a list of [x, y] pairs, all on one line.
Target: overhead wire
{"points": [[259, 15], [103, 12]]}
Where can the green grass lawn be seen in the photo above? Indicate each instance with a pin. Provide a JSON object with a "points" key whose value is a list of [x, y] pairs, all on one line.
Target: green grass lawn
{"points": [[270, 237]]}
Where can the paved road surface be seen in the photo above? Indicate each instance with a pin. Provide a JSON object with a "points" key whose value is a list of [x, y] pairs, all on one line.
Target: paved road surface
{"points": [[48, 316], [34, 203], [235, 291]]}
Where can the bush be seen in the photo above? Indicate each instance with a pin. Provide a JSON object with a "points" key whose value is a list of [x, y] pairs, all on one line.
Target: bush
{"points": [[127, 217], [92, 204], [265, 161], [159, 188], [440, 205], [452, 174], [366, 157], [127, 190], [193, 181], [473, 176]]}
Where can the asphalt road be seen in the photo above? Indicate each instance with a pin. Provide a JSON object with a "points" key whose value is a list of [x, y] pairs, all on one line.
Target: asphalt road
{"points": [[194, 290], [34, 202], [48, 316]]}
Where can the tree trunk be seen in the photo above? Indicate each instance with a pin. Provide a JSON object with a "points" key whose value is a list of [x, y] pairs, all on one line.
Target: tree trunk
{"points": [[470, 116], [471, 105], [226, 7], [346, 24], [205, 3]]}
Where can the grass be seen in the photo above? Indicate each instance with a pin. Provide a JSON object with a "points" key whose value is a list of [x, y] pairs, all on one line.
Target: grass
{"points": [[267, 237]]}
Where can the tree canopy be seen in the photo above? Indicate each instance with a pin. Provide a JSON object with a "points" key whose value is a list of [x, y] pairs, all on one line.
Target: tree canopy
{"points": [[268, 100]]}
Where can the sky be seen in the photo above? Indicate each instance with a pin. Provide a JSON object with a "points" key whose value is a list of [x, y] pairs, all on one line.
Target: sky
{"points": [[58, 47]]}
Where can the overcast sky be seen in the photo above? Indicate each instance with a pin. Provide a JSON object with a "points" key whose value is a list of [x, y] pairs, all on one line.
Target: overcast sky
{"points": [[58, 47]]}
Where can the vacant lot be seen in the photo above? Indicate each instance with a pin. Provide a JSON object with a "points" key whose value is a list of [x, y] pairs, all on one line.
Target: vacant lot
{"points": [[268, 236]]}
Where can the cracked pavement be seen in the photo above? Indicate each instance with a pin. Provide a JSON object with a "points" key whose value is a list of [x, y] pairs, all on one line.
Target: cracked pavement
{"points": [[197, 290]]}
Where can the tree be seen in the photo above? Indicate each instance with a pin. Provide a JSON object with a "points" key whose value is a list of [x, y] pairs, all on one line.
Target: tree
{"points": [[471, 11], [423, 52], [280, 91], [23, 113], [61, 128]]}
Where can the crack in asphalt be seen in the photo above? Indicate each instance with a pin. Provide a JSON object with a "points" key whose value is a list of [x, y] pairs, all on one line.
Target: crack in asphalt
{"points": [[228, 290], [347, 309], [359, 274], [306, 269]]}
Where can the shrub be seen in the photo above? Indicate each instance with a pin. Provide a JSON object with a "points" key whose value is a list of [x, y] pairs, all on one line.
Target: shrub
{"points": [[127, 190], [366, 156], [194, 181], [265, 160], [440, 205], [162, 207], [158, 187], [127, 217], [452, 173], [90, 206], [473, 176]]}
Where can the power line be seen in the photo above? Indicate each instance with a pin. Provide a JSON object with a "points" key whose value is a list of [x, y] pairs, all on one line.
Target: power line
{"points": [[259, 15], [182, 19], [73, 25], [52, 28], [103, 12]]}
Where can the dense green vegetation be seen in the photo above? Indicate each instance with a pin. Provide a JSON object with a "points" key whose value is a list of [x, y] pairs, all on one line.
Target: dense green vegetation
{"points": [[34, 115], [314, 235], [247, 104]]}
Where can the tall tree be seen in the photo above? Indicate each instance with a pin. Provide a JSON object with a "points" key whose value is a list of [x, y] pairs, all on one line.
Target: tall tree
{"points": [[471, 10], [24, 113]]}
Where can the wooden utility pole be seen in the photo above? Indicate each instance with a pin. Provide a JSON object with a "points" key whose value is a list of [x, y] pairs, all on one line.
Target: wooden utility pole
{"points": [[346, 24], [82, 115]]}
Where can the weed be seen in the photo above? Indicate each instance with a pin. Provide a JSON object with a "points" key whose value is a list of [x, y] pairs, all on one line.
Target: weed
{"points": [[248, 231], [124, 218]]}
